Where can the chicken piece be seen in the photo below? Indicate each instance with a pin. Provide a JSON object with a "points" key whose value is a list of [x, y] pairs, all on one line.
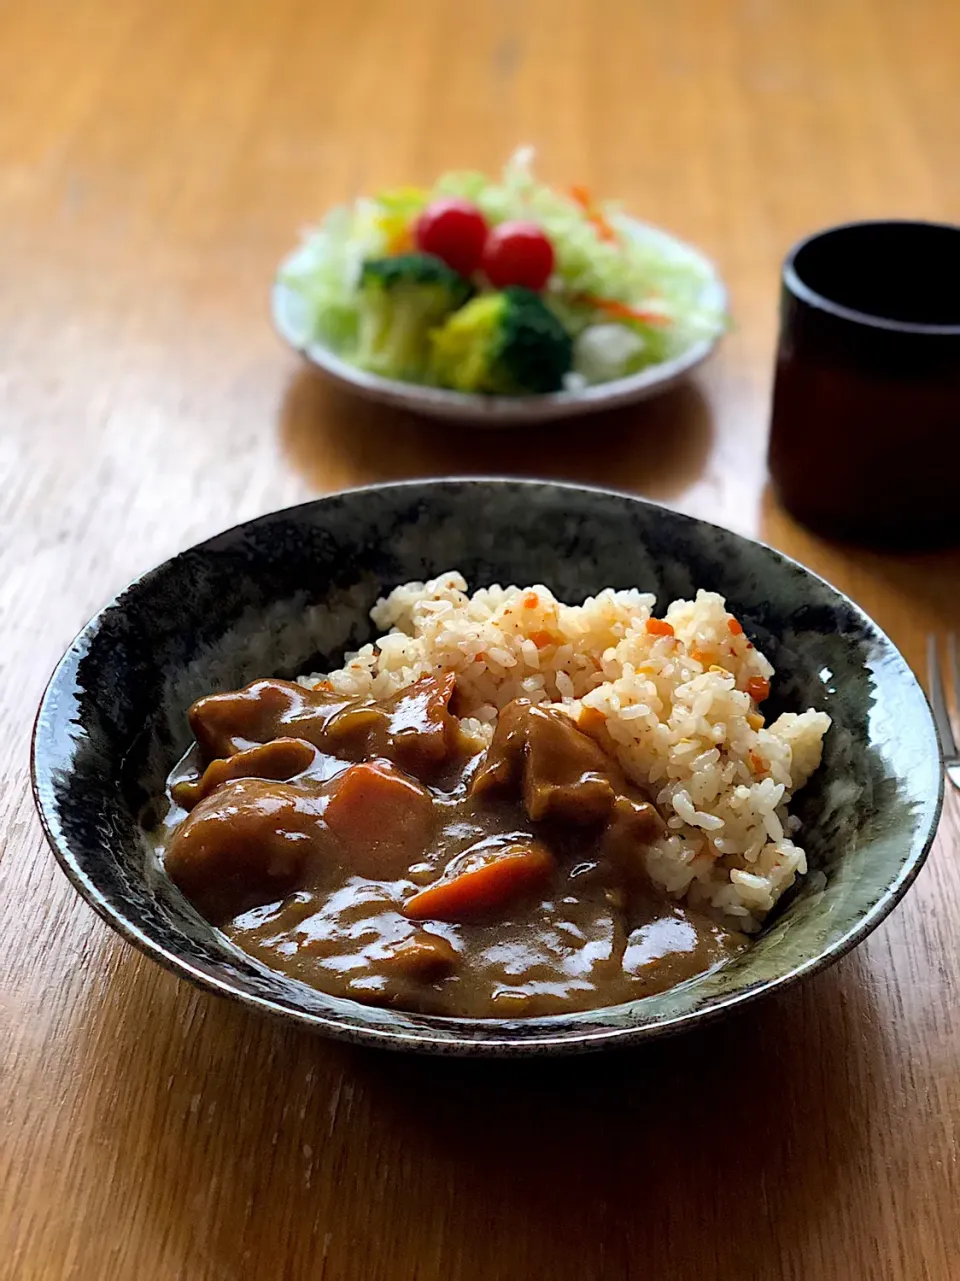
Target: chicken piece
{"points": [[567, 776], [632, 827], [414, 728], [245, 845], [224, 724], [561, 772], [421, 731], [502, 768], [281, 759]]}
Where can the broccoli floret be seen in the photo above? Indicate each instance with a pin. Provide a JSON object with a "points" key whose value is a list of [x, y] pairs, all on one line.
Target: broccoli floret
{"points": [[506, 344], [400, 300]]}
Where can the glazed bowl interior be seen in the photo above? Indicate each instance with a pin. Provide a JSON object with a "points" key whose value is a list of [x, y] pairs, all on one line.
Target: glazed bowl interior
{"points": [[290, 593]]}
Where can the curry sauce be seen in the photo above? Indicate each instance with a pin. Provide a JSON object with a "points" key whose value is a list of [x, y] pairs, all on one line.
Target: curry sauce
{"points": [[375, 851]]}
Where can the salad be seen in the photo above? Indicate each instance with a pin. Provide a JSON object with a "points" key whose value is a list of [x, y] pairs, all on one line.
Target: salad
{"points": [[501, 288]]}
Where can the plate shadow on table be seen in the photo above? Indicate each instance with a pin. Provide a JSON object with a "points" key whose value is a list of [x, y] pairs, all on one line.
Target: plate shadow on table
{"points": [[658, 447], [264, 1143]]}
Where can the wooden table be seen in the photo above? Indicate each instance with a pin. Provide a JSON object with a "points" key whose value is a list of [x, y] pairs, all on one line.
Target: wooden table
{"points": [[155, 162]]}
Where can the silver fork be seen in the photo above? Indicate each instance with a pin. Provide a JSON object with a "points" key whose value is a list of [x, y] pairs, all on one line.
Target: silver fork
{"points": [[938, 702]]}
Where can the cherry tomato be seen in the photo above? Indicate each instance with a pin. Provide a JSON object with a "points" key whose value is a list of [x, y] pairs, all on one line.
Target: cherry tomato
{"points": [[518, 253], [454, 230]]}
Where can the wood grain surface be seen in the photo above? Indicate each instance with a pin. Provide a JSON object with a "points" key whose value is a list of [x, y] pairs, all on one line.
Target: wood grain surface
{"points": [[155, 163]]}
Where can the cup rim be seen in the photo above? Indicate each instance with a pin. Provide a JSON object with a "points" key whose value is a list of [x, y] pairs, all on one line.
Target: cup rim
{"points": [[798, 287]]}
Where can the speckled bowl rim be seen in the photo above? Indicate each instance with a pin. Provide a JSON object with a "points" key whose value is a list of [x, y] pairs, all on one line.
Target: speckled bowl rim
{"points": [[418, 1040], [796, 285]]}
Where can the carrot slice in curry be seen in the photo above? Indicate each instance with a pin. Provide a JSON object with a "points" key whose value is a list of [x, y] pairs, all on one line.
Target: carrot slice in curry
{"points": [[383, 819], [519, 869]]}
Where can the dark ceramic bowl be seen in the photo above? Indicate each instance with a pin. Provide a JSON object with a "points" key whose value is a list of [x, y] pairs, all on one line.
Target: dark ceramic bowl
{"points": [[289, 592]]}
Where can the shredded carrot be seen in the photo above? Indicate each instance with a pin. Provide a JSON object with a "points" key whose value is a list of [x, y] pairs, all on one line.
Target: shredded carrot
{"points": [[758, 687], [623, 311], [735, 626], [530, 600], [699, 656], [480, 658], [757, 763], [659, 627], [594, 213], [543, 639], [602, 227]]}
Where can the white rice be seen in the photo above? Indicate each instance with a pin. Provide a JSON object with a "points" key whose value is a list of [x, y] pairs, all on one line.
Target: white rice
{"points": [[675, 707]]}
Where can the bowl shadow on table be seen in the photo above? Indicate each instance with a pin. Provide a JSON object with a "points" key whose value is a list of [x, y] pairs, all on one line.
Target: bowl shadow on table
{"points": [[709, 1154], [658, 447], [908, 590]]}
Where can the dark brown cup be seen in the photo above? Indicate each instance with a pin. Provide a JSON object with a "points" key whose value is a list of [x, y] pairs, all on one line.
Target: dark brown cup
{"points": [[865, 435]]}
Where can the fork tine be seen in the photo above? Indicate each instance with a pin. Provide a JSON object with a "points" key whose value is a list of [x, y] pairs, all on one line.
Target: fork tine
{"points": [[938, 701]]}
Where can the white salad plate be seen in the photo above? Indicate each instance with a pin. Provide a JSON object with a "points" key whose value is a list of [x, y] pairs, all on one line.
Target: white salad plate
{"points": [[292, 321]]}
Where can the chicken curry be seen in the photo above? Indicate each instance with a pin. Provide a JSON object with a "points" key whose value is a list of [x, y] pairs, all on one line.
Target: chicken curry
{"points": [[376, 851]]}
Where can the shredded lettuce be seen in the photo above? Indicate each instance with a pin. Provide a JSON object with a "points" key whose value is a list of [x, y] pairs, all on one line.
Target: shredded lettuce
{"points": [[640, 269]]}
